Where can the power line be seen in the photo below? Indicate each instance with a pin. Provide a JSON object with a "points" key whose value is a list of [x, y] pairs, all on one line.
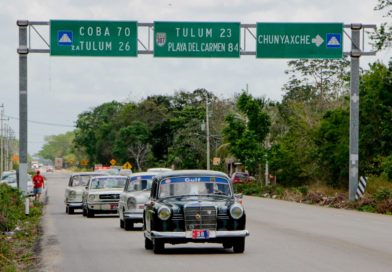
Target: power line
{"points": [[42, 123]]}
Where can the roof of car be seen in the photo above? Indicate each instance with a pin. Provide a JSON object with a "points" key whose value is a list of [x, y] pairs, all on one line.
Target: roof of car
{"points": [[144, 174], [86, 174], [108, 176], [181, 173]]}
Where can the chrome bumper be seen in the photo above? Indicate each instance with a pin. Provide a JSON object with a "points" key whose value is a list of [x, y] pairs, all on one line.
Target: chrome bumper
{"points": [[75, 204], [185, 235], [129, 215]]}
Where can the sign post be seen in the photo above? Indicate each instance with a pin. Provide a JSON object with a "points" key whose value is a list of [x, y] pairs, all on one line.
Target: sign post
{"points": [[197, 39], [299, 40], [93, 38]]}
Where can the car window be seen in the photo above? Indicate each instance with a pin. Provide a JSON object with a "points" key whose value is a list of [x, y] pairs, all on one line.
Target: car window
{"points": [[107, 183], [194, 186], [140, 183]]}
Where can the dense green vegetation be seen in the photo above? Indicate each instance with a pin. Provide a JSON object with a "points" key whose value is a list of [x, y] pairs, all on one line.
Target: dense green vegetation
{"points": [[305, 136], [18, 232]]}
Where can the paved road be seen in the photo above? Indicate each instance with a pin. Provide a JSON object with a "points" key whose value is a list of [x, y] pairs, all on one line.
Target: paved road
{"points": [[285, 236]]}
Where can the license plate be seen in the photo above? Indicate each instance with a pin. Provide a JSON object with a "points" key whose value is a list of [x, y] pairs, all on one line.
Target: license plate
{"points": [[200, 234], [113, 206]]}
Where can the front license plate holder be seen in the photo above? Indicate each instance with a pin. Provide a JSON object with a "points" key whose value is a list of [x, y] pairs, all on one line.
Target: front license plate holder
{"points": [[200, 234], [113, 206]]}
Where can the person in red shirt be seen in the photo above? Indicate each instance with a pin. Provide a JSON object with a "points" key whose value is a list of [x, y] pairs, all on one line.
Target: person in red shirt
{"points": [[38, 182]]}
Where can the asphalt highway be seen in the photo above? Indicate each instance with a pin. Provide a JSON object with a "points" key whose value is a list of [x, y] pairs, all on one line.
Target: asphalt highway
{"points": [[284, 236]]}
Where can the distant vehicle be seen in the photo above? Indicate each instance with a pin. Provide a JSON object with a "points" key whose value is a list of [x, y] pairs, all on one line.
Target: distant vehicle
{"points": [[193, 206], [74, 191], [7, 173], [49, 168], [241, 177], [125, 172], [102, 194], [58, 163], [132, 199]]}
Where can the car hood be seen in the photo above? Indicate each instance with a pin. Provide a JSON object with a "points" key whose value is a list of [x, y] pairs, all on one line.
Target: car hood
{"points": [[105, 191], [78, 190]]}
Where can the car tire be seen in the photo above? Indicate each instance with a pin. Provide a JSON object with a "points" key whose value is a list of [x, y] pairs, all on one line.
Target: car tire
{"points": [[239, 245], [227, 245], [128, 224], [158, 246], [121, 223], [70, 210], [148, 244], [90, 213]]}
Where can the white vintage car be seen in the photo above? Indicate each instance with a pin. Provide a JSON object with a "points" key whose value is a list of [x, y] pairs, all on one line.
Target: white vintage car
{"points": [[73, 193], [102, 194], [132, 199]]}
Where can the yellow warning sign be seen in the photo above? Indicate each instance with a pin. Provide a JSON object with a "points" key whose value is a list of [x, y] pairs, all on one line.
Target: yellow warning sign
{"points": [[84, 162], [127, 165], [113, 162]]}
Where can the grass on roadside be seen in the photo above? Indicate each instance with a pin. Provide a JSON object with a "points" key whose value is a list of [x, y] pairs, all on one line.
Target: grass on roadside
{"points": [[18, 232]]}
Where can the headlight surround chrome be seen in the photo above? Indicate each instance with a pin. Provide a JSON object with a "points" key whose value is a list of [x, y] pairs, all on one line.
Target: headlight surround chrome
{"points": [[164, 213], [131, 204], [72, 194], [91, 197], [236, 211]]}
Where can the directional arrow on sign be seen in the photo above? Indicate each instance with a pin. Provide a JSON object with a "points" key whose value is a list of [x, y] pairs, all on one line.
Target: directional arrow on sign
{"points": [[317, 40]]}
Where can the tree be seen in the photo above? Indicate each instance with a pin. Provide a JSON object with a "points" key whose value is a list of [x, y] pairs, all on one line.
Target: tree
{"points": [[246, 131], [133, 143], [56, 146]]}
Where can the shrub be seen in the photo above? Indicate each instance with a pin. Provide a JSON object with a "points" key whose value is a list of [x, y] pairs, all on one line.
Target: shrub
{"points": [[11, 207], [383, 194]]}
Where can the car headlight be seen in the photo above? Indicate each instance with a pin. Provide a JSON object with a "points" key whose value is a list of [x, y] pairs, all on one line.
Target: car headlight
{"points": [[164, 213], [91, 197], [72, 194], [131, 204], [236, 211]]}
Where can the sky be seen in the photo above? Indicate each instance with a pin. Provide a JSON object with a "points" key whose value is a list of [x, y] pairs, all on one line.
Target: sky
{"points": [[60, 88]]}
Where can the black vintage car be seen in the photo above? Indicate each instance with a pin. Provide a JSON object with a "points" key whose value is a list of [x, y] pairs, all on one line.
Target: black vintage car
{"points": [[193, 206]]}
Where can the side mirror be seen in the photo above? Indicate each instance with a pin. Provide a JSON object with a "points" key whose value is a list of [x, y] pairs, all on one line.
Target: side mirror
{"points": [[86, 187]]}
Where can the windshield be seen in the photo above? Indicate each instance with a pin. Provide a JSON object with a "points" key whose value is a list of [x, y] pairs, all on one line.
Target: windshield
{"points": [[140, 183], [80, 180], [108, 183], [185, 186]]}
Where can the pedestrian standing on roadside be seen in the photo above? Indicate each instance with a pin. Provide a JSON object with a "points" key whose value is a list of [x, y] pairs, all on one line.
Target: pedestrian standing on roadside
{"points": [[38, 182]]}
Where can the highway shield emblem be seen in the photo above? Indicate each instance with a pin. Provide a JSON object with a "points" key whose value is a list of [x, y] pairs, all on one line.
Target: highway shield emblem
{"points": [[161, 39]]}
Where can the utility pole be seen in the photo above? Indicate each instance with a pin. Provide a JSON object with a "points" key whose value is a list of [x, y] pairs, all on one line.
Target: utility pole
{"points": [[2, 139], [208, 134]]}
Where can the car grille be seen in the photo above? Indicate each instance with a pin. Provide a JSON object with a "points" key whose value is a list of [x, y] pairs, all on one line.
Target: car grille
{"points": [[110, 196], [200, 217]]}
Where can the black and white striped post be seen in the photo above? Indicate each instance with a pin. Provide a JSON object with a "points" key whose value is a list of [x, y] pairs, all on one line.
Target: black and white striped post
{"points": [[361, 188]]}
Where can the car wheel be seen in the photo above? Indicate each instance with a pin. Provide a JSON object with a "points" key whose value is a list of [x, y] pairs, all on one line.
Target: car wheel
{"points": [[227, 245], [70, 210], [90, 213], [239, 245], [121, 223], [128, 225], [148, 244], [158, 246]]}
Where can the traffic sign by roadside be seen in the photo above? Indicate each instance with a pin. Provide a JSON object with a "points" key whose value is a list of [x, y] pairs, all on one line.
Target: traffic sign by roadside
{"points": [[127, 165], [197, 39], [93, 38], [299, 40], [113, 162]]}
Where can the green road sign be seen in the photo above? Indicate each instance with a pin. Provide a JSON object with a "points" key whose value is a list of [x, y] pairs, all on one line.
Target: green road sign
{"points": [[197, 39], [299, 40], [93, 38]]}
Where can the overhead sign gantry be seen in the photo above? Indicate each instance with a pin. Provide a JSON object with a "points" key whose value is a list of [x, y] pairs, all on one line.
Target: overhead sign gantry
{"points": [[196, 40]]}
